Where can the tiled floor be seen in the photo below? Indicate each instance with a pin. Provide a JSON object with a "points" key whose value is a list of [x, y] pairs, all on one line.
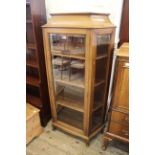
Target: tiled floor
{"points": [[59, 143]]}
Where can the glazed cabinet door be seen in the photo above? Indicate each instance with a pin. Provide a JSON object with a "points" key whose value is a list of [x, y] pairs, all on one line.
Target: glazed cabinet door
{"points": [[66, 58], [121, 88]]}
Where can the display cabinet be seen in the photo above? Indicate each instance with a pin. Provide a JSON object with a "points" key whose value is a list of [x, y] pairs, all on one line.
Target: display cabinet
{"points": [[36, 79], [78, 50]]}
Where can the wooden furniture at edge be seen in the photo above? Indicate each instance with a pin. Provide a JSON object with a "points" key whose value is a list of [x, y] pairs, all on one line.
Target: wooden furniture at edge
{"points": [[118, 120], [78, 50], [36, 80], [33, 126], [124, 27]]}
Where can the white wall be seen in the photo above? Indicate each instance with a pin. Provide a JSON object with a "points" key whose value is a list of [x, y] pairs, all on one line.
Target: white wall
{"points": [[114, 7]]}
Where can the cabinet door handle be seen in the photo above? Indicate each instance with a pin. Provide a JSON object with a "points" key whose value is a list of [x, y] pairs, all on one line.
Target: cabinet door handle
{"points": [[126, 65]]}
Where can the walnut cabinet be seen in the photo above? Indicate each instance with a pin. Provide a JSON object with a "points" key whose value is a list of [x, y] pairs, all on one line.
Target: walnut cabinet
{"points": [[118, 125], [78, 51]]}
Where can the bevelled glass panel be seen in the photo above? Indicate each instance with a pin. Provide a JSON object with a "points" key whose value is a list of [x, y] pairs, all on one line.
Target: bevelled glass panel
{"points": [[103, 42], [98, 95], [76, 45], [58, 42], [96, 118], [68, 44]]}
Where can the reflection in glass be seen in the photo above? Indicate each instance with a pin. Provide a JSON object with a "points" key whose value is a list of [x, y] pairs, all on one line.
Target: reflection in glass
{"points": [[76, 44], [103, 42], [68, 75], [98, 95], [101, 65], [58, 42], [68, 44], [96, 119]]}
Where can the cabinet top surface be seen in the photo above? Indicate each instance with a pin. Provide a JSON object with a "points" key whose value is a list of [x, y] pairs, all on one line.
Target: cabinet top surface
{"points": [[79, 20], [123, 51], [30, 110]]}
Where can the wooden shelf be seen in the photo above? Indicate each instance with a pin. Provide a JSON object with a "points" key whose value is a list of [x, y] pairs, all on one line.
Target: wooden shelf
{"points": [[71, 99], [31, 64], [71, 117], [32, 80], [31, 46], [28, 21], [75, 80], [69, 56], [36, 101], [75, 83], [27, 3]]}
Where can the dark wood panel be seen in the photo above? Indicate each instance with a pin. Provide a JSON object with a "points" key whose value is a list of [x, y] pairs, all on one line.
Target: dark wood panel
{"points": [[124, 30], [34, 100], [31, 80], [35, 63]]}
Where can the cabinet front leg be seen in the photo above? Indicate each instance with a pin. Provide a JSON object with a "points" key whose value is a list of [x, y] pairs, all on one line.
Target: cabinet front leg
{"points": [[87, 142], [53, 127], [105, 143]]}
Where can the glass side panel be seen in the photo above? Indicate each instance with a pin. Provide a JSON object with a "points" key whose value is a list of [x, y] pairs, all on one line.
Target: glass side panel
{"points": [[68, 44], [100, 73], [103, 42], [68, 77], [96, 119], [98, 95]]}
